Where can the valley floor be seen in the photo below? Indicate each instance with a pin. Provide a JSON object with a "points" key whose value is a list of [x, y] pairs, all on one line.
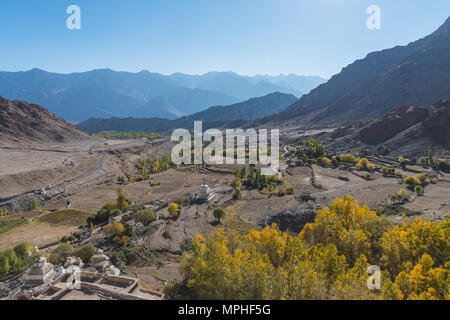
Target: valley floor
{"points": [[86, 175]]}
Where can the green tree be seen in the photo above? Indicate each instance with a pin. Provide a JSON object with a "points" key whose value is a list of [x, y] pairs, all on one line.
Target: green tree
{"points": [[114, 229], [23, 249], [219, 213], [85, 252], [34, 205], [60, 254], [122, 202], [146, 216]]}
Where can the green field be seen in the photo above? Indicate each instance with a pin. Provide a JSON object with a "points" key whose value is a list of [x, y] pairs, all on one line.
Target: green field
{"points": [[66, 217], [10, 224]]}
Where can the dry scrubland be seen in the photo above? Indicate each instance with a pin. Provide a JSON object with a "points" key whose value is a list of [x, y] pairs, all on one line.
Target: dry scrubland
{"points": [[91, 181]]}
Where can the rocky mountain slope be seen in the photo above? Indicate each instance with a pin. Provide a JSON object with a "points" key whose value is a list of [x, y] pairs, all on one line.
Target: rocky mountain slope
{"points": [[406, 130], [24, 122], [416, 74], [247, 110], [215, 117]]}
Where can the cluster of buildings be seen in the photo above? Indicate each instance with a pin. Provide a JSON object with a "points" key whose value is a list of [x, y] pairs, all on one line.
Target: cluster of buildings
{"points": [[75, 280]]}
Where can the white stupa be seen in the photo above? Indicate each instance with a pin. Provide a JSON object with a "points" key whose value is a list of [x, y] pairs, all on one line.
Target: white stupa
{"points": [[204, 194]]}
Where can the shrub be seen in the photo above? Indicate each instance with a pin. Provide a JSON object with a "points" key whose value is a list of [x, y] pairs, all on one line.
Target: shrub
{"points": [[412, 181], [122, 202], [402, 162], [219, 213], [388, 171], [123, 240], [237, 194], [418, 190], [70, 238], [115, 212], [282, 193], [399, 197], [85, 252], [23, 249], [114, 229], [364, 164], [109, 206], [326, 162], [443, 165], [119, 259], [173, 209], [423, 161], [60, 254], [313, 149], [34, 205], [77, 235], [335, 161], [146, 216], [121, 180], [181, 201], [422, 179], [103, 215], [237, 183], [167, 235], [289, 189], [348, 158]]}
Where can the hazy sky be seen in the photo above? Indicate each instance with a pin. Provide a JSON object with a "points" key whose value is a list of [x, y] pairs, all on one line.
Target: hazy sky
{"points": [[312, 37]]}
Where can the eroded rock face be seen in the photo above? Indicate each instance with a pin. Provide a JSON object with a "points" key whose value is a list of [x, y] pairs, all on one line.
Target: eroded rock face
{"points": [[292, 220], [391, 124], [438, 122]]}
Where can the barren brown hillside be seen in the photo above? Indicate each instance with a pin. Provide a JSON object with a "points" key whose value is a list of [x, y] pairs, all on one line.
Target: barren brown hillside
{"points": [[24, 122]]}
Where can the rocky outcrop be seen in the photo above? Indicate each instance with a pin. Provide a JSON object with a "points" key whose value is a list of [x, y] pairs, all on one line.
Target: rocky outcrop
{"points": [[292, 220], [438, 123], [391, 124], [406, 131]]}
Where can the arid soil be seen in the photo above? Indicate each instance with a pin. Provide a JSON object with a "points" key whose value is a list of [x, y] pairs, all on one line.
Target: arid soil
{"points": [[86, 175], [64, 169]]}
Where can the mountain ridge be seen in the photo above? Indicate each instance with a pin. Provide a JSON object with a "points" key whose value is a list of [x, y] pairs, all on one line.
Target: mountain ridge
{"points": [[376, 84], [233, 116], [103, 93]]}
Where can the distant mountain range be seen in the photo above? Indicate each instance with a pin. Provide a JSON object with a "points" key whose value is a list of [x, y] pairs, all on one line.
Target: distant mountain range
{"points": [[107, 93], [417, 74], [215, 117]]}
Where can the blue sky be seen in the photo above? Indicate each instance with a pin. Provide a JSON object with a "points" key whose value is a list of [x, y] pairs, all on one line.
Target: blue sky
{"points": [[311, 37]]}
